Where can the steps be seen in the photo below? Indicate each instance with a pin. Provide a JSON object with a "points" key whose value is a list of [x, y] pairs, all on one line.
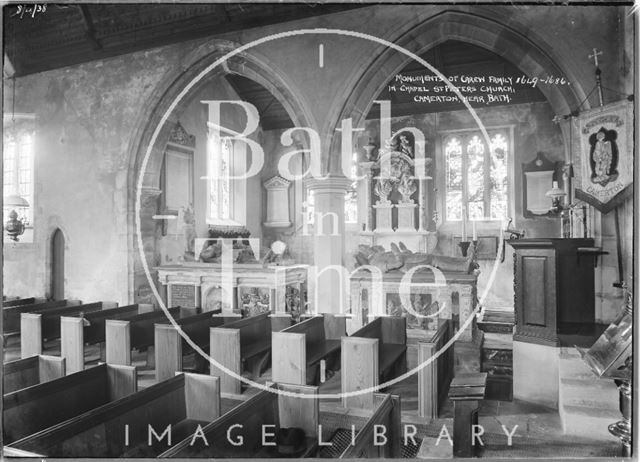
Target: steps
{"points": [[497, 320], [587, 404], [497, 352]]}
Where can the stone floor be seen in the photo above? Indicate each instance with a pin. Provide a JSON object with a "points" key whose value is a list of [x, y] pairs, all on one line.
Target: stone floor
{"points": [[538, 433]]}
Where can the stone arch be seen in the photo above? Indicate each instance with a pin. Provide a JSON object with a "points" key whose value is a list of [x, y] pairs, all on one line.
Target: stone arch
{"points": [[532, 57], [249, 64]]}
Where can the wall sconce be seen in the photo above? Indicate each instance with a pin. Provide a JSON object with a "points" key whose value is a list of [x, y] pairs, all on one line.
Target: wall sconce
{"points": [[556, 194], [15, 226]]}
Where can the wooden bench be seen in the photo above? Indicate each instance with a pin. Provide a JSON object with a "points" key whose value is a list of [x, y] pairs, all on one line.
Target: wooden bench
{"points": [[35, 408], [40, 326], [386, 414], [298, 350], [27, 372], [11, 315], [172, 410], [136, 332], [79, 330], [277, 411], [435, 377], [171, 348], [21, 301], [377, 352], [244, 345]]}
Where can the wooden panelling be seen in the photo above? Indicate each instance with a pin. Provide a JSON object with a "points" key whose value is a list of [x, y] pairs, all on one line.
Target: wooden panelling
{"points": [[72, 343], [30, 334], [202, 397], [359, 370], [118, 342], [122, 381], [534, 278], [224, 347], [168, 351], [295, 411], [289, 357]]}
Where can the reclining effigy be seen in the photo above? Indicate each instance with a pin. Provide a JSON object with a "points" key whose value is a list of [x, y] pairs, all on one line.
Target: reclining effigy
{"points": [[402, 259]]}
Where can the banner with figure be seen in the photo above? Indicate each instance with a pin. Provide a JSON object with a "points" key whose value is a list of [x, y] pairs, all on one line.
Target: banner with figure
{"points": [[605, 137]]}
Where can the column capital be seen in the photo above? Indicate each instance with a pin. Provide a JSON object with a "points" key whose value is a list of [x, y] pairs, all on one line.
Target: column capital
{"points": [[329, 184]]}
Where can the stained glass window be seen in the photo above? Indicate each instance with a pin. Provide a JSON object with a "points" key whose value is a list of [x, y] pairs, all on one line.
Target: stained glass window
{"points": [[476, 175]]}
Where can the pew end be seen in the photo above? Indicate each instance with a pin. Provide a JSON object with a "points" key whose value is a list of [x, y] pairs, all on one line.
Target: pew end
{"points": [[289, 358], [30, 334], [23, 373], [224, 348], [360, 361], [122, 381], [294, 411], [202, 397], [118, 342], [72, 342]]}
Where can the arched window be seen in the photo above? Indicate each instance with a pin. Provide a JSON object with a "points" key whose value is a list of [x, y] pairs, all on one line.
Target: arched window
{"points": [[476, 181], [219, 166], [18, 166]]}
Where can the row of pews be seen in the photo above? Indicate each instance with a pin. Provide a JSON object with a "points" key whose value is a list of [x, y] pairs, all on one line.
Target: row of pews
{"points": [[64, 406]]}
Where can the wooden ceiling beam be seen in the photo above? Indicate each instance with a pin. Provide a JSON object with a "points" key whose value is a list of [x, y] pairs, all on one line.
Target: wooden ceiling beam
{"points": [[89, 29]]}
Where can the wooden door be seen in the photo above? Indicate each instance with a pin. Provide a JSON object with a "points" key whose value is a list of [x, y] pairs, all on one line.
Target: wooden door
{"points": [[57, 265]]}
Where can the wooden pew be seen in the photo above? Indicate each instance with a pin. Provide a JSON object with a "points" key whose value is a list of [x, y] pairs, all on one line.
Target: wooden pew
{"points": [[11, 315], [435, 377], [20, 301], [37, 327], [171, 348], [298, 350], [244, 344], [79, 330], [171, 410], [40, 406], [137, 332], [371, 355], [277, 411], [27, 372]]}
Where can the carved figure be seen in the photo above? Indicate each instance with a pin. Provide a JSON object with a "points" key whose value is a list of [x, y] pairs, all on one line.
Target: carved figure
{"points": [[407, 187], [382, 189], [401, 258]]}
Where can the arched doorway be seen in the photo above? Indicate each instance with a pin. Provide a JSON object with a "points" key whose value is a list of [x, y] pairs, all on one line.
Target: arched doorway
{"points": [[57, 265]]}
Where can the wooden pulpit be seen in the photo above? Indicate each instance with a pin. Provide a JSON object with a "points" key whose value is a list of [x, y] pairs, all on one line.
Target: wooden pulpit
{"points": [[554, 288]]}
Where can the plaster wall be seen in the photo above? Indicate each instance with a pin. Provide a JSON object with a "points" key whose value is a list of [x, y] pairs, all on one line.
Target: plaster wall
{"points": [[86, 118]]}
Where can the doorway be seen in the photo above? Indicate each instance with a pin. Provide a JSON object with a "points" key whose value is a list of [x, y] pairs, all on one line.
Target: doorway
{"points": [[57, 265]]}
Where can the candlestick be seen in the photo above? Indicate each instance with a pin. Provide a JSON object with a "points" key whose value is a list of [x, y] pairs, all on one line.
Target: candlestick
{"points": [[464, 227], [464, 247]]}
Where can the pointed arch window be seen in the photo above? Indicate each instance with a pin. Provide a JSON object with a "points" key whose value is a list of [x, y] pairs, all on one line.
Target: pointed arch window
{"points": [[219, 165], [477, 174]]}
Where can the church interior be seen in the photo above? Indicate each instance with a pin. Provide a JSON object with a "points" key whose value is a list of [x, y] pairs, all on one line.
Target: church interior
{"points": [[321, 230]]}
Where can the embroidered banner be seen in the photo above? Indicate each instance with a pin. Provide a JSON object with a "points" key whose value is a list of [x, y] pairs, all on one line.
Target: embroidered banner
{"points": [[605, 136]]}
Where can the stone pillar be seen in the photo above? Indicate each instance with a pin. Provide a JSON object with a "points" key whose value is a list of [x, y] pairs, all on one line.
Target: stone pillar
{"points": [[327, 292], [366, 168], [149, 229]]}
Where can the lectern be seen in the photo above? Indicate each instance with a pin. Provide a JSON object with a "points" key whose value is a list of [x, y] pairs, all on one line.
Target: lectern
{"points": [[553, 288]]}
